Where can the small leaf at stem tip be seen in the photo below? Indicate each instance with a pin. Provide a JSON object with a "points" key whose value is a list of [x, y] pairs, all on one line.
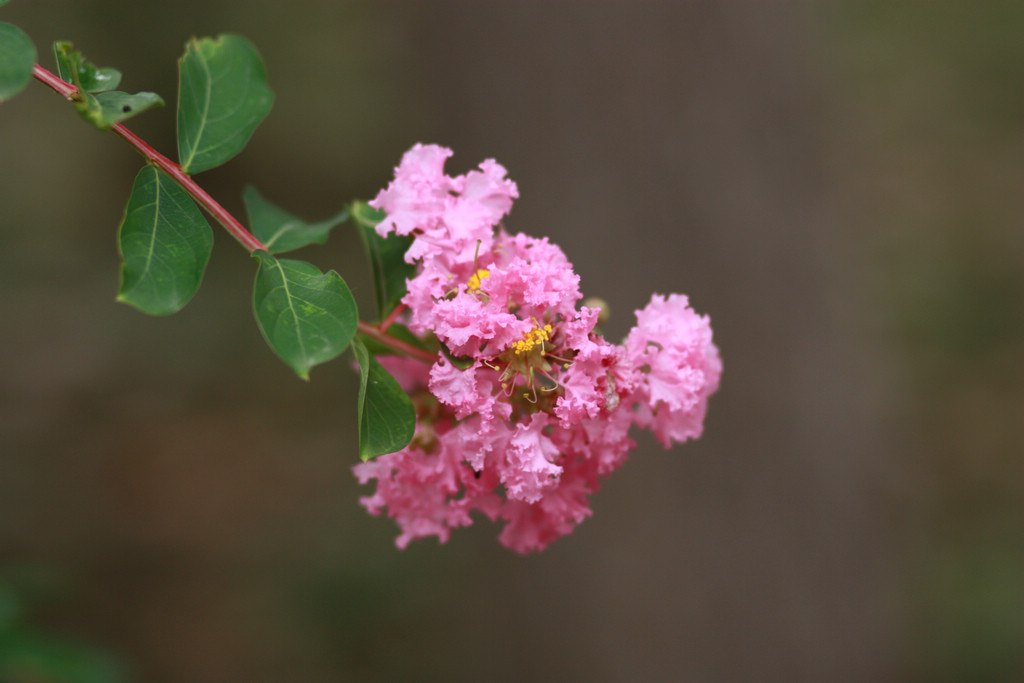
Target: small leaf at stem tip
{"points": [[165, 244], [280, 231], [17, 59], [387, 419], [73, 68], [306, 317], [222, 96], [387, 258]]}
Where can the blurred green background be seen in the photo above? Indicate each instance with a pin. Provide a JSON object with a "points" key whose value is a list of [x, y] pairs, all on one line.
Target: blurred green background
{"points": [[837, 184]]}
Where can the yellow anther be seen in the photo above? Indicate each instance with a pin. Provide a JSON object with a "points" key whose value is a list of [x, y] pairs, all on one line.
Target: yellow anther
{"points": [[537, 336], [476, 279]]}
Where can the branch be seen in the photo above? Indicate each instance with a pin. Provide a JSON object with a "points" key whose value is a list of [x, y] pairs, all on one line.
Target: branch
{"points": [[218, 212], [171, 168], [375, 332]]}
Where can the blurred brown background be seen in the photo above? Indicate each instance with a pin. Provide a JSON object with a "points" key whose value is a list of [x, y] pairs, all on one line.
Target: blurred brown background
{"points": [[837, 184]]}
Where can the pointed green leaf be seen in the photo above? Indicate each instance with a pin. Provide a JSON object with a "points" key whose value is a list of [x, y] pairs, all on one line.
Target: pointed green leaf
{"points": [[222, 97], [73, 68], [387, 258], [106, 109], [281, 231], [17, 58], [307, 317], [67, 60], [387, 420], [118, 106], [165, 244]]}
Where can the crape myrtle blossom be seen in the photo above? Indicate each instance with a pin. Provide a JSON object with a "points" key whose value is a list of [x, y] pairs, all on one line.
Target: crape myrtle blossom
{"points": [[528, 407]]}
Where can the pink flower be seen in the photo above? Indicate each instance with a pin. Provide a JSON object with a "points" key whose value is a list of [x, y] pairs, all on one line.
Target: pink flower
{"points": [[472, 328], [419, 191], [449, 216], [678, 367], [532, 527], [528, 408], [414, 487], [529, 469], [590, 383], [534, 276], [465, 391], [419, 484]]}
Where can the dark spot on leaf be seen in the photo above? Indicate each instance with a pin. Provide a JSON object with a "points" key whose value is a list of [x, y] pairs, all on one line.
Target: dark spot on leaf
{"points": [[126, 108]]}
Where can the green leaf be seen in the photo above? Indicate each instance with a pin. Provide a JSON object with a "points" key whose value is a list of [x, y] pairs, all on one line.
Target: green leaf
{"points": [[96, 99], [461, 362], [68, 60], [307, 317], [29, 656], [106, 109], [73, 68], [17, 58], [99, 80], [223, 96], [281, 231], [387, 420], [387, 258], [165, 244], [118, 106]]}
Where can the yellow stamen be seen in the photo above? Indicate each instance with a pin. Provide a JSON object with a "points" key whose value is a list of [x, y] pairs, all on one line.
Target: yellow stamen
{"points": [[476, 279], [537, 336]]}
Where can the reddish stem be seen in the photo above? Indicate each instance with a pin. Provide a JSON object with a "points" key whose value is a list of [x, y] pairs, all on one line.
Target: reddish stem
{"points": [[220, 214], [386, 324], [62, 87], [171, 168], [377, 333]]}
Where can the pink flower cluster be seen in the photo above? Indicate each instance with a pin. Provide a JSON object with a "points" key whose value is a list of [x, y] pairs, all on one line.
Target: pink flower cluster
{"points": [[528, 407]]}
